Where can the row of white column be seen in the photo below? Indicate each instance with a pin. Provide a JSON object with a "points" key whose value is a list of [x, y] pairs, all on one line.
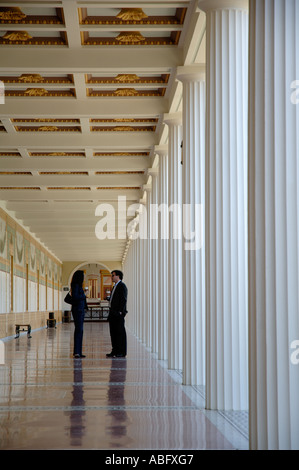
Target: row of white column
{"points": [[227, 312]]}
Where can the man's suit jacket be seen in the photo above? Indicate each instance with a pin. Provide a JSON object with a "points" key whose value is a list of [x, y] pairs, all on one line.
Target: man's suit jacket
{"points": [[118, 302]]}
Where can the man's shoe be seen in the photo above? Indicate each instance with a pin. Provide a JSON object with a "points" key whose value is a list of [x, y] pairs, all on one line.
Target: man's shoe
{"points": [[120, 355], [110, 354]]}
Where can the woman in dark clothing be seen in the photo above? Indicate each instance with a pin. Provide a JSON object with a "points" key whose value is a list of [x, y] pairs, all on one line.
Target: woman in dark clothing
{"points": [[78, 310]]}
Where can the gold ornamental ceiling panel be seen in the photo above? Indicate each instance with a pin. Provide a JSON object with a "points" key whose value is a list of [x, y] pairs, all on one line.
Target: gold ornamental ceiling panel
{"points": [[10, 154], [47, 129], [63, 173], [21, 188], [39, 92], [124, 92], [130, 16], [123, 129], [56, 154], [15, 173], [34, 78], [165, 28], [130, 120], [15, 15], [119, 172], [24, 38], [118, 187], [128, 78], [130, 39], [121, 154], [39, 120]]}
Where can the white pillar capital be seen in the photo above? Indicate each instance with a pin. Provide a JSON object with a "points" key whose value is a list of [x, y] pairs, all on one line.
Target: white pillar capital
{"points": [[161, 150], [173, 119], [153, 171], [147, 187], [191, 73], [208, 5]]}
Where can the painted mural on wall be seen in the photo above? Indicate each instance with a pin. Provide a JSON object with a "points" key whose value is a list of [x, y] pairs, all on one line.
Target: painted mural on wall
{"points": [[42, 265], [14, 240], [32, 258], [3, 239], [19, 249]]}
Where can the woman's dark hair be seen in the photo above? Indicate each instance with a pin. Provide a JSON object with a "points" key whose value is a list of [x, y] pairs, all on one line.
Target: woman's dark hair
{"points": [[78, 277], [118, 273]]}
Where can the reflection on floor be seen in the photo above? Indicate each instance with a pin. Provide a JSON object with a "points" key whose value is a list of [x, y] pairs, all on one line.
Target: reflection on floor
{"points": [[48, 400]]}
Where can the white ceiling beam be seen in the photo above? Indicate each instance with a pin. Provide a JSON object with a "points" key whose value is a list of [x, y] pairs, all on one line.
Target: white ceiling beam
{"points": [[109, 107], [33, 28], [195, 36], [101, 195], [72, 180], [87, 227], [133, 4], [38, 209], [75, 164], [87, 222], [70, 13], [9, 127], [68, 141], [90, 59], [92, 4], [142, 28]]}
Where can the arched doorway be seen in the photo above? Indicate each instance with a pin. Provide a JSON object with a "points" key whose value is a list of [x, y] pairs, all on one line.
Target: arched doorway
{"points": [[97, 280]]}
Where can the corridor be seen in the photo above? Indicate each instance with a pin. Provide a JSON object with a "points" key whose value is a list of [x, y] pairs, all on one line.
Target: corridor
{"points": [[50, 401]]}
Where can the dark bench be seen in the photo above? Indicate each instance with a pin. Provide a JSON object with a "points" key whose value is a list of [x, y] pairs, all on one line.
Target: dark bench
{"points": [[23, 327]]}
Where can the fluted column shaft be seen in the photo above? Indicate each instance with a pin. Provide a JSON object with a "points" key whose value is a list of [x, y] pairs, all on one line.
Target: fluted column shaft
{"points": [[175, 328], [273, 224], [226, 203], [131, 268], [143, 278], [154, 263], [148, 273], [163, 255], [193, 79]]}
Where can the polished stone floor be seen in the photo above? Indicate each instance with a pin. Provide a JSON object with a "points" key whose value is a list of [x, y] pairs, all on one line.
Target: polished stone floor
{"points": [[48, 400]]}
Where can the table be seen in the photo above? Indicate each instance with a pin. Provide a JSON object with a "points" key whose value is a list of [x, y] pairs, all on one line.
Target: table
{"points": [[96, 311], [23, 327]]}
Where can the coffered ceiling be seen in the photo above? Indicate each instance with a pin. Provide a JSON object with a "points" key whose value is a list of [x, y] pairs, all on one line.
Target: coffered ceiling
{"points": [[86, 87]]}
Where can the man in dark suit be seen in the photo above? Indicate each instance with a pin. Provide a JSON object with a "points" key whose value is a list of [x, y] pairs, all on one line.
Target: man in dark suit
{"points": [[117, 313]]}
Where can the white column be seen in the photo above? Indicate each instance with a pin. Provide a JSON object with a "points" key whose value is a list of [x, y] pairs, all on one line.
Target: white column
{"points": [[226, 203], [143, 293], [175, 326], [193, 79], [153, 172], [273, 224], [148, 270], [129, 275], [162, 151], [130, 267], [136, 287]]}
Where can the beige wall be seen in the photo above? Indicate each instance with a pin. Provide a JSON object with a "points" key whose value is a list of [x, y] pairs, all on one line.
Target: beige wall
{"points": [[36, 320]]}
